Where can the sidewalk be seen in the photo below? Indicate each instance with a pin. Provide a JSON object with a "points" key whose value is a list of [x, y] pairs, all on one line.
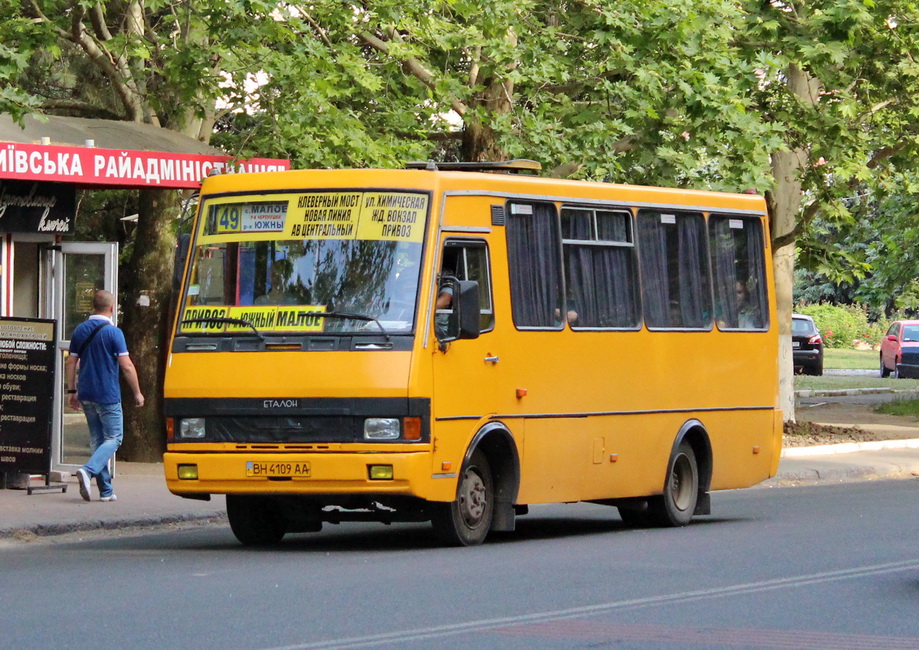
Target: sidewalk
{"points": [[143, 500], [846, 462]]}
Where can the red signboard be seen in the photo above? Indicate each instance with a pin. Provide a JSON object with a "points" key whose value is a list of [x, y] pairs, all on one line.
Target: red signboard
{"points": [[119, 168]]}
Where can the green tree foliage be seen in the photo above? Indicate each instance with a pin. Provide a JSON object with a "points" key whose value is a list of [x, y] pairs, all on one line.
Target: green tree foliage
{"points": [[644, 92], [881, 244]]}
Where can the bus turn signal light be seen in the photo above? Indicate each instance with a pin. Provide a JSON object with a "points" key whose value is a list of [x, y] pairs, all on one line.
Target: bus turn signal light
{"points": [[411, 428]]}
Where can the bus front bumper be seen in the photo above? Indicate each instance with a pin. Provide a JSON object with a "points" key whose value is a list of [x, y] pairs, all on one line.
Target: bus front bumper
{"points": [[197, 474]]}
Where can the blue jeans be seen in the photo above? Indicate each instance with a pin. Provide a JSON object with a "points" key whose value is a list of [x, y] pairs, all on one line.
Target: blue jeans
{"points": [[106, 430]]}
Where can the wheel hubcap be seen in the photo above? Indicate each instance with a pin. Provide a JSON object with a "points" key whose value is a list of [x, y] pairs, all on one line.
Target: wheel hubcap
{"points": [[682, 483], [473, 499]]}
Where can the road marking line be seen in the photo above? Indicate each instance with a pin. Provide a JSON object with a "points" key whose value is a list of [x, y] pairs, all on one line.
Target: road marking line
{"points": [[438, 631]]}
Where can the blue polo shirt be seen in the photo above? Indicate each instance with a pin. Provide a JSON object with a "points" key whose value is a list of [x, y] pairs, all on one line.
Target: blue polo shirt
{"points": [[99, 363]]}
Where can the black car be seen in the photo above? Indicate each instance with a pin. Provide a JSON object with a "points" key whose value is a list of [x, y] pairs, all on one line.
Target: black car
{"points": [[806, 345]]}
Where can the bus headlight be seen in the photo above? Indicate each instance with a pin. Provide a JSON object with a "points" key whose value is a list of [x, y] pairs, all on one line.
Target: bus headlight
{"points": [[191, 428], [382, 429]]}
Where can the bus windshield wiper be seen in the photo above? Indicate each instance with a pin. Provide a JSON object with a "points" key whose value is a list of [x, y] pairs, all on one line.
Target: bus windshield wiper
{"points": [[346, 316], [228, 321]]}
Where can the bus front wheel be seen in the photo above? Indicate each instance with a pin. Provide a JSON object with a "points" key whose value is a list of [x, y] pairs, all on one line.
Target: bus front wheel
{"points": [[466, 521], [677, 504], [255, 520]]}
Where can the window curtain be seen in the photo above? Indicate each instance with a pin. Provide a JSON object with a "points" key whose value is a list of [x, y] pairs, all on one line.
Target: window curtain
{"points": [[655, 289], [601, 278], [756, 253], [724, 260], [693, 279], [534, 257]]}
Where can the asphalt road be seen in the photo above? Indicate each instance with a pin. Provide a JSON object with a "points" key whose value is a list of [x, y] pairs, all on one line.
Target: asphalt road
{"points": [[812, 567]]}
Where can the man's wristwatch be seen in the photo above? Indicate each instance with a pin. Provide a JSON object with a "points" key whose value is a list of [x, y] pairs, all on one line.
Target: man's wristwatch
{"points": [[71, 392]]}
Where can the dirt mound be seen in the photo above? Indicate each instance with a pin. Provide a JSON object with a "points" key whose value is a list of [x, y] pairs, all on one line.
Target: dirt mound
{"points": [[834, 423], [806, 434]]}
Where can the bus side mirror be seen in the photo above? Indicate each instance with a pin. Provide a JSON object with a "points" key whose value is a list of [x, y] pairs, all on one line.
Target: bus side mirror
{"points": [[466, 309], [462, 321], [182, 244]]}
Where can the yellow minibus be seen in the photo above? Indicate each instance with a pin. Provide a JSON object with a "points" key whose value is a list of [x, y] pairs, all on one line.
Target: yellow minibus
{"points": [[456, 342]]}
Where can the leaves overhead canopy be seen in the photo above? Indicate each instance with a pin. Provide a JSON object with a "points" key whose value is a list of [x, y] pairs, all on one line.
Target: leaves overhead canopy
{"points": [[673, 92]]}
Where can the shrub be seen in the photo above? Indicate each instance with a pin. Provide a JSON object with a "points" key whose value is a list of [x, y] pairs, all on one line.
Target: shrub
{"points": [[843, 325]]}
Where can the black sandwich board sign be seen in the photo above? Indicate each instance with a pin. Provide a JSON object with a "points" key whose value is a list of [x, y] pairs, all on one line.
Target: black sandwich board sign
{"points": [[27, 354]]}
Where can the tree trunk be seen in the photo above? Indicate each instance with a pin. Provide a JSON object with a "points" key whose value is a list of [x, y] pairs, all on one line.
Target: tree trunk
{"points": [[784, 206], [784, 203], [146, 291], [480, 140]]}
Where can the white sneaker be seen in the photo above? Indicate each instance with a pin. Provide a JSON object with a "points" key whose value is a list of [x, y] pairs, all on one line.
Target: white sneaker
{"points": [[111, 497], [83, 481]]}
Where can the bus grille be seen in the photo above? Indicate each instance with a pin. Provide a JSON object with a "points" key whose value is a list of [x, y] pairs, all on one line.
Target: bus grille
{"points": [[310, 429]]}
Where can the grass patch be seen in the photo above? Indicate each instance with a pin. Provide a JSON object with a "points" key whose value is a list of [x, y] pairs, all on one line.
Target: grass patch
{"points": [[902, 407], [806, 382], [842, 359]]}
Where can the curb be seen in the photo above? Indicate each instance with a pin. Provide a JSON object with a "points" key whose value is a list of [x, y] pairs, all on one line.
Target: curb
{"points": [[836, 474], [849, 447], [842, 392], [50, 530]]}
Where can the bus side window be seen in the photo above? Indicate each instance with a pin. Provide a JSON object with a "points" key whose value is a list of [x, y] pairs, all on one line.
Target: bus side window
{"points": [[600, 268], [739, 266], [675, 281], [534, 265]]}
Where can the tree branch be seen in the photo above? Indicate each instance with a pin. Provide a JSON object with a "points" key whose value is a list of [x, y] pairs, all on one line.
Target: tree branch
{"points": [[318, 29], [82, 109], [97, 18], [414, 67], [116, 71]]}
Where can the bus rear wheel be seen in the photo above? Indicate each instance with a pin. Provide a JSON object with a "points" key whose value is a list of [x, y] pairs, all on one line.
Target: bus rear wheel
{"points": [[466, 521], [675, 507], [255, 520]]}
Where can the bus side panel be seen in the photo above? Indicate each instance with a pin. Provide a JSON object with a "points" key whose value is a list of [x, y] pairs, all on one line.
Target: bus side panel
{"points": [[742, 446], [604, 409]]}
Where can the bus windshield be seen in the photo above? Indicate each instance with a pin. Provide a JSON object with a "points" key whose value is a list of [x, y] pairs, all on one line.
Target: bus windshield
{"points": [[290, 262]]}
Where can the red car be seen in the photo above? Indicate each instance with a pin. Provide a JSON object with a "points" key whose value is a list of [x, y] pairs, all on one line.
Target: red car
{"points": [[900, 349]]}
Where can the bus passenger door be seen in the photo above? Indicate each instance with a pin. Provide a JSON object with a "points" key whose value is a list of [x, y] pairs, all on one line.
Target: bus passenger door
{"points": [[466, 371]]}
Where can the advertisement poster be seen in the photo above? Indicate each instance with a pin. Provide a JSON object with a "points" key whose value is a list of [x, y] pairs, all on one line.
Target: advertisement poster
{"points": [[27, 353]]}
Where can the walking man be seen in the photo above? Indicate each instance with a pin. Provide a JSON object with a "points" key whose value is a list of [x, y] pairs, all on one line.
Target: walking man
{"points": [[100, 349]]}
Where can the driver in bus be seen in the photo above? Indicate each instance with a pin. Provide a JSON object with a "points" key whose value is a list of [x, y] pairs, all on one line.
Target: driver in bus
{"points": [[279, 293]]}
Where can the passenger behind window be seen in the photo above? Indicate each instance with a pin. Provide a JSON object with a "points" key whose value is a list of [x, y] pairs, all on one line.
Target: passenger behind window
{"points": [[747, 314]]}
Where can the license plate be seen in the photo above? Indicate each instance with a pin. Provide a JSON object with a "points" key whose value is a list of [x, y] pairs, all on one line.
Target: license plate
{"points": [[271, 469], [796, 344]]}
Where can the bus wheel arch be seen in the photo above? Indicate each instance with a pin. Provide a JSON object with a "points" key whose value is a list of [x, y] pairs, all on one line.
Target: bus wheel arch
{"points": [[687, 480], [695, 433], [686, 483], [490, 472]]}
